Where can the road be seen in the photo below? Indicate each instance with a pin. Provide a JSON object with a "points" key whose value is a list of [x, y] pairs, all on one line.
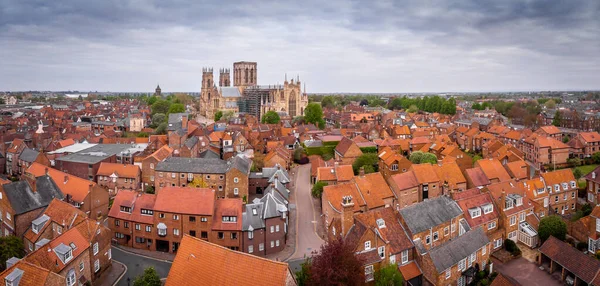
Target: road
{"points": [[307, 239], [136, 265]]}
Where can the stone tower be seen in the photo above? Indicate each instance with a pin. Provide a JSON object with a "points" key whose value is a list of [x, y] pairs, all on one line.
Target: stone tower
{"points": [[157, 90], [224, 79], [245, 74], [207, 78]]}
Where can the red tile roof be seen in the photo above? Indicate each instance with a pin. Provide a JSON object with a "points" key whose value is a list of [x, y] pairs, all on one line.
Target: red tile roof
{"points": [[583, 266], [374, 189], [196, 201], [136, 201], [34, 275], [227, 207], [121, 170], [410, 270], [493, 169], [77, 187], [200, 261], [477, 177], [425, 173], [478, 200]]}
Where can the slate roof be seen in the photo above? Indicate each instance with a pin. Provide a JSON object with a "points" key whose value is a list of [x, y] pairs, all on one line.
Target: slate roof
{"points": [[29, 155], [241, 163], [22, 198], [450, 253], [427, 214], [251, 221], [230, 91], [95, 154], [192, 165], [209, 154], [273, 206]]}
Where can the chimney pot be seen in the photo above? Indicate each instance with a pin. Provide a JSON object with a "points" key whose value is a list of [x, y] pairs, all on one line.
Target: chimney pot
{"points": [[66, 179], [361, 172]]}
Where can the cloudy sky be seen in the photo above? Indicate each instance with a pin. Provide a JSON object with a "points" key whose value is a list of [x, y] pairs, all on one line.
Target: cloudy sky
{"points": [[333, 45]]}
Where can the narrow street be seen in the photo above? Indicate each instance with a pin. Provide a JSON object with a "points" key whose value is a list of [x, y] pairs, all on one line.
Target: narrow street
{"points": [[136, 264], [307, 238]]}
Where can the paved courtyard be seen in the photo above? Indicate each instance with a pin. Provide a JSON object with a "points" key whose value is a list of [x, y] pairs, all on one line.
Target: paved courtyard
{"points": [[525, 272], [136, 264]]}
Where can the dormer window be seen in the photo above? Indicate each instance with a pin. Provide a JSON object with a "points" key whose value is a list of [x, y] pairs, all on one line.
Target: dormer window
{"points": [[573, 185], [394, 167], [541, 190], [475, 212], [254, 212], [519, 201], [126, 209], [549, 189], [556, 188], [229, 219], [488, 208], [380, 223], [508, 204], [565, 186]]}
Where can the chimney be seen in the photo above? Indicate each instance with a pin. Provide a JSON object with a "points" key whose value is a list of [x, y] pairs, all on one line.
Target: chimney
{"points": [[184, 121], [347, 214], [503, 199], [46, 171], [66, 179], [593, 175], [361, 171]]}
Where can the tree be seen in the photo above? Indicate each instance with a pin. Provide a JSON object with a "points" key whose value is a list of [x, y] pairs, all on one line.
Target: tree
{"points": [[557, 118], [389, 276], [303, 275], [550, 104], [476, 158], [327, 102], [152, 100], [176, 108], [566, 139], [198, 183], [412, 109], [258, 162], [227, 115], [317, 189], [364, 102], [596, 157], [10, 246], [158, 118], [161, 129], [574, 162], [336, 264], [298, 154], [160, 106], [552, 226], [149, 278], [298, 120], [395, 104], [314, 114], [271, 117], [416, 157], [366, 160], [143, 135], [149, 190], [218, 115], [577, 173], [429, 158], [477, 106]]}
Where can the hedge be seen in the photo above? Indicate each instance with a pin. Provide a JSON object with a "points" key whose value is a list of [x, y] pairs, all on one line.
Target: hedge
{"points": [[320, 150], [368, 149]]}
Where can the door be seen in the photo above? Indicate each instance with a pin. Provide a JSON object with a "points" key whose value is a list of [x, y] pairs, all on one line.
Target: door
{"points": [[425, 192]]}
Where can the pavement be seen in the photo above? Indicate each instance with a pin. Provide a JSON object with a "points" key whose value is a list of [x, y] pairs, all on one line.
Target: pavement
{"points": [[525, 272], [307, 238], [111, 275], [136, 264]]}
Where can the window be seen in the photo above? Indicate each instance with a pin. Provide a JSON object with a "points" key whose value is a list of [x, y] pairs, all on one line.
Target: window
{"points": [[152, 166], [573, 195], [204, 234], [522, 217], [147, 212], [173, 175], [475, 212], [236, 191], [473, 257], [513, 220], [277, 228], [236, 180], [192, 219], [272, 244], [71, 278], [96, 265], [162, 232], [497, 243], [95, 248], [161, 215], [488, 208], [81, 266], [512, 234], [160, 174], [404, 256], [492, 225], [392, 259], [193, 233], [381, 251], [250, 248], [117, 222], [137, 226], [148, 228], [483, 250], [126, 224], [446, 231], [448, 273], [119, 235], [573, 185], [261, 246], [272, 229], [394, 167], [435, 236], [175, 217], [369, 273], [109, 254], [203, 219], [234, 235], [462, 265], [428, 239], [565, 197], [367, 245], [220, 235], [453, 228], [277, 242], [175, 231]]}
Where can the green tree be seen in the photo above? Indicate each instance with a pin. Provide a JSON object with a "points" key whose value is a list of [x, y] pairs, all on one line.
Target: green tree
{"points": [[160, 106], [327, 102], [596, 157], [271, 117], [149, 190], [368, 161], [477, 106], [557, 118], [395, 104], [389, 276], [429, 158], [149, 278], [550, 104], [412, 109], [552, 226], [152, 100], [227, 115], [176, 108], [314, 114], [298, 154], [577, 173], [161, 129], [416, 157], [158, 118], [10, 246], [303, 275], [317, 189], [143, 135], [218, 115], [566, 139]]}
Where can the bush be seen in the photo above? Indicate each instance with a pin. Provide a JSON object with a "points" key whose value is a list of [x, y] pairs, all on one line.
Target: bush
{"points": [[317, 189], [511, 247], [368, 149], [484, 282]]}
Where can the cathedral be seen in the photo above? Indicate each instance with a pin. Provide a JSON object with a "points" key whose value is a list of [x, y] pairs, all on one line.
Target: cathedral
{"points": [[246, 95]]}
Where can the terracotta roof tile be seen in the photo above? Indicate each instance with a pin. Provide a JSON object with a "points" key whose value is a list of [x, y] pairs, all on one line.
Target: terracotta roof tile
{"points": [[374, 189], [583, 266], [136, 201], [227, 207], [477, 201], [34, 275], [410, 270], [198, 201], [61, 213], [477, 177], [425, 173], [121, 170], [198, 260], [333, 195], [77, 187], [493, 169], [590, 137]]}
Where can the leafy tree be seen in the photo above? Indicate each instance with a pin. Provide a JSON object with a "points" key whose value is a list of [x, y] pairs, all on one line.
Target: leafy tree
{"points": [[429, 158], [314, 114], [412, 109], [160, 106], [317, 189], [577, 173], [557, 118], [158, 118], [258, 162], [271, 117], [303, 275], [416, 157], [476, 158], [227, 115], [552, 226], [149, 190], [143, 135], [389, 276], [298, 120], [327, 102], [336, 264], [566, 139], [364, 102], [10, 246], [161, 129], [298, 154], [152, 100], [198, 183], [550, 104], [218, 115], [176, 108], [574, 162], [395, 104], [477, 106], [376, 102], [366, 161], [149, 278], [596, 157]]}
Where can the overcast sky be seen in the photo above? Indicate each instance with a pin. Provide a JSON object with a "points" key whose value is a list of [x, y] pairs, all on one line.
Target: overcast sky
{"points": [[334, 46]]}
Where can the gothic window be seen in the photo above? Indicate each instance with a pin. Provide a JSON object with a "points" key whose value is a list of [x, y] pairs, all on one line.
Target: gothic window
{"points": [[246, 76]]}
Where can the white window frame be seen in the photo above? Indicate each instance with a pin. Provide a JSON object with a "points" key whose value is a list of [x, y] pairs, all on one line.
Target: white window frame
{"points": [[492, 225], [462, 265], [96, 265], [381, 251], [404, 256], [250, 248], [95, 248], [81, 266], [448, 273], [513, 220], [367, 245]]}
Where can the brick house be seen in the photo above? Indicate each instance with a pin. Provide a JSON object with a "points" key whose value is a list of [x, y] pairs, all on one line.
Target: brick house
{"points": [[265, 224], [575, 267], [430, 185], [23, 201], [479, 211], [258, 182], [593, 186], [406, 188], [116, 177], [131, 219], [391, 162], [150, 162], [562, 189], [542, 151], [335, 174], [347, 151], [28, 157], [584, 144], [227, 224], [549, 131], [85, 163], [12, 155], [18, 270], [278, 156], [83, 194]]}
